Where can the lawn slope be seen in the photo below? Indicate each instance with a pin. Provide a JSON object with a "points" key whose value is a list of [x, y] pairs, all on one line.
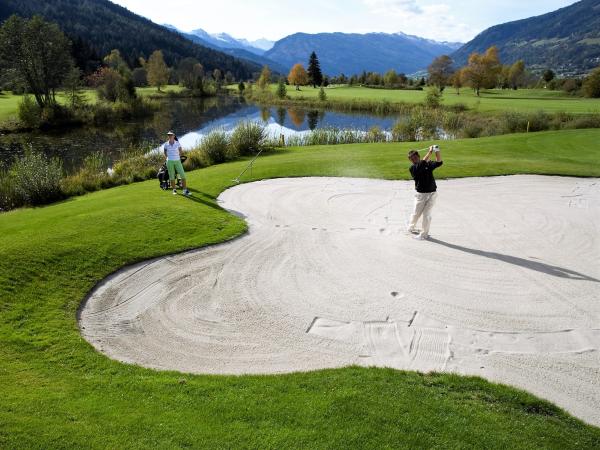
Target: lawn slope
{"points": [[493, 100], [57, 392]]}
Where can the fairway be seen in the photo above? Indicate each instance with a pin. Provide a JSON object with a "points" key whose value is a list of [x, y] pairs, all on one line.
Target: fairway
{"points": [[58, 392], [495, 100]]}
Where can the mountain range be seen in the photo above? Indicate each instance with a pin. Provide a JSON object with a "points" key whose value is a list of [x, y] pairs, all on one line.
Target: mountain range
{"points": [[239, 48], [351, 53], [566, 40], [338, 52]]}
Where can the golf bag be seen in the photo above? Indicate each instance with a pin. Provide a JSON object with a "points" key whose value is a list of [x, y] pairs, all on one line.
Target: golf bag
{"points": [[163, 176]]}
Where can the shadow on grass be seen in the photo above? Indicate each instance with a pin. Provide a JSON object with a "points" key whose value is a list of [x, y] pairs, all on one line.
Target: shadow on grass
{"points": [[548, 269], [197, 197]]}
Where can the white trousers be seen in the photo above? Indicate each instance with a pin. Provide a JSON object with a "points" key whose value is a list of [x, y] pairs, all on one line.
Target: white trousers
{"points": [[423, 204]]}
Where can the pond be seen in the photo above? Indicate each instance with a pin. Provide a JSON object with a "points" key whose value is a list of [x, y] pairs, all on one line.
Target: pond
{"points": [[190, 119]]}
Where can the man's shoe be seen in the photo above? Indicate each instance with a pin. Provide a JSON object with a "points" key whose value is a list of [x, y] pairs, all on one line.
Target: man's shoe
{"points": [[187, 192], [421, 237], [174, 191]]}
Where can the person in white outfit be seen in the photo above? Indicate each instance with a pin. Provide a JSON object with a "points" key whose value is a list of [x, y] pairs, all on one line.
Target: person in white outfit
{"points": [[173, 152], [422, 172]]}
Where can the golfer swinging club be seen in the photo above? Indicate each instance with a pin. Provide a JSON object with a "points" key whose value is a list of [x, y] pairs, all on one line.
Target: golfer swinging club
{"points": [[422, 172], [172, 150]]}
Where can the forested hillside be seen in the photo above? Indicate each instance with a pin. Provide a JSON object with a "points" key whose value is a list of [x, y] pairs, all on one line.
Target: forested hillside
{"points": [[566, 40], [98, 26]]}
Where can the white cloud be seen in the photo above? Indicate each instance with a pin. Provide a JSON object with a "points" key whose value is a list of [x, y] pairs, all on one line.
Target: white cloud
{"points": [[395, 6], [433, 21]]}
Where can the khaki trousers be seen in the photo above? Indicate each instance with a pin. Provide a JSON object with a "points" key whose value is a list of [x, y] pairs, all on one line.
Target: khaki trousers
{"points": [[423, 204]]}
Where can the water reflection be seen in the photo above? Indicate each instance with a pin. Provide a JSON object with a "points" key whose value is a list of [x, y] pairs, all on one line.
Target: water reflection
{"points": [[191, 120], [72, 145]]}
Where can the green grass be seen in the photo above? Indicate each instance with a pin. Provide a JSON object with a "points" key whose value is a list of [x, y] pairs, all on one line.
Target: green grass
{"points": [[9, 102], [57, 392], [8, 106], [522, 100]]}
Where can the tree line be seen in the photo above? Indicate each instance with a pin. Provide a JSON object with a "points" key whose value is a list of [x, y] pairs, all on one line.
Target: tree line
{"points": [[486, 71], [482, 71], [37, 58]]}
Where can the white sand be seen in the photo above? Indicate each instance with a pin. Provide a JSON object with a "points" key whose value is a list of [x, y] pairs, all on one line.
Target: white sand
{"points": [[508, 289]]}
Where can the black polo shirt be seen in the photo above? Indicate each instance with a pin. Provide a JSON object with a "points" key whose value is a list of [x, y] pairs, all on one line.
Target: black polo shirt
{"points": [[422, 173]]}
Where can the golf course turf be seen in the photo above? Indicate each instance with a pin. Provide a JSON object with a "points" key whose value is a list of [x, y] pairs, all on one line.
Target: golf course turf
{"points": [[493, 100], [58, 392]]}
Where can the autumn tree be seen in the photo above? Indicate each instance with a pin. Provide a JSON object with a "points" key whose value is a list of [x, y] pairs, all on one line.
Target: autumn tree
{"points": [[315, 76], [482, 70], [158, 72], [190, 73], [264, 80], [457, 80], [298, 76], [591, 85], [390, 78], [440, 71], [115, 61], [516, 74], [112, 86]]}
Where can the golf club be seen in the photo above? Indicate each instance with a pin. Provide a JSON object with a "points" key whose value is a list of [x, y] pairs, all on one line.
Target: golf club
{"points": [[237, 179]]}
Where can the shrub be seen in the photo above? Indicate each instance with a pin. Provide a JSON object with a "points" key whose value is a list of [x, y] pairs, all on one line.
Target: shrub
{"points": [[281, 88], [136, 167], [591, 121], [247, 138], [36, 179], [571, 86], [30, 114], [405, 129], [514, 122], [216, 148], [9, 197], [452, 121], [322, 94], [538, 121], [376, 134], [472, 130], [196, 160], [458, 107], [433, 99]]}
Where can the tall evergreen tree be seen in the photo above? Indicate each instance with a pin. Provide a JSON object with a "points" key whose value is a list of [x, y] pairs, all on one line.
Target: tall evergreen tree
{"points": [[315, 76]]}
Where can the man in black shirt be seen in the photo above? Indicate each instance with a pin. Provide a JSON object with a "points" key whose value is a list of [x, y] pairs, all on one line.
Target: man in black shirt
{"points": [[422, 172]]}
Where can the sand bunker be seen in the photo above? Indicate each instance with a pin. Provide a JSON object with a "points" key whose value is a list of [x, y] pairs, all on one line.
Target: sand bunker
{"points": [[508, 288]]}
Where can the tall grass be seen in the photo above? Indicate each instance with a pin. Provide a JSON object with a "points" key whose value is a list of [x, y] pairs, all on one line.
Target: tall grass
{"points": [[380, 107], [32, 180], [35, 179], [247, 138]]}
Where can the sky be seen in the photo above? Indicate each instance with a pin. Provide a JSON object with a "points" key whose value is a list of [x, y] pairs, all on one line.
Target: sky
{"points": [[442, 20]]}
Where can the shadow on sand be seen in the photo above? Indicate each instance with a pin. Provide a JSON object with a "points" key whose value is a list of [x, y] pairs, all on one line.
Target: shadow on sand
{"points": [[555, 271]]}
